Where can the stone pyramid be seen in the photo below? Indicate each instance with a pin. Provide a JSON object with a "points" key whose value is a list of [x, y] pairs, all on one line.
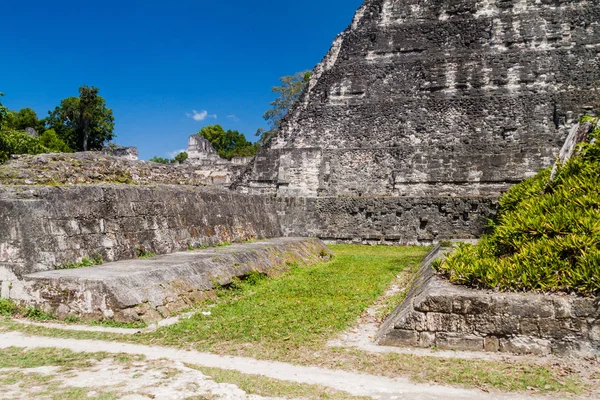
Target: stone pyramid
{"points": [[437, 98]]}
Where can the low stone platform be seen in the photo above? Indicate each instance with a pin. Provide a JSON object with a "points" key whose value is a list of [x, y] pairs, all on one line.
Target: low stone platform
{"points": [[439, 314], [154, 288]]}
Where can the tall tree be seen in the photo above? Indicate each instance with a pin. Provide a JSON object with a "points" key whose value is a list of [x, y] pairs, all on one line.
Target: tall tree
{"points": [[84, 122], [287, 95], [229, 143]]}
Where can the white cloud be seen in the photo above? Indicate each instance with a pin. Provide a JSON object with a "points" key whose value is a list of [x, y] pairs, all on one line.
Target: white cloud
{"points": [[172, 154], [233, 118], [200, 116]]}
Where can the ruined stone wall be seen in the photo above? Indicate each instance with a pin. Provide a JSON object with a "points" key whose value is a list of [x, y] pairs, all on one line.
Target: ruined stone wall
{"points": [[468, 96], [44, 226], [391, 219], [438, 314], [95, 167]]}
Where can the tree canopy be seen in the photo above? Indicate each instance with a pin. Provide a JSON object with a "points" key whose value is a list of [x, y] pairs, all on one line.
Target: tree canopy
{"points": [[228, 143], [84, 122], [23, 119], [287, 95]]}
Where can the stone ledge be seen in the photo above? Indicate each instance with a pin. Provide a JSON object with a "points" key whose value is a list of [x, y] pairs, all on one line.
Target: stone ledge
{"points": [[437, 313], [154, 288]]}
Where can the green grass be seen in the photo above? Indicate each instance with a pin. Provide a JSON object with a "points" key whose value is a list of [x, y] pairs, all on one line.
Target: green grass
{"points": [[302, 307], [8, 308], [546, 237], [267, 387], [84, 263], [14, 357], [291, 317]]}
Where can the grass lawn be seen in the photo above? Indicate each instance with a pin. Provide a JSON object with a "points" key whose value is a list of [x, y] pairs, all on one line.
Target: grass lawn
{"points": [[291, 318], [302, 308]]}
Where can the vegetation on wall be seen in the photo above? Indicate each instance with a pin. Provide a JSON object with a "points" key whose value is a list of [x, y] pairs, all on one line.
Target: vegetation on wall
{"points": [[84, 122], [287, 95], [228, 143], [179, 158], [546, 237], [78, 124]]}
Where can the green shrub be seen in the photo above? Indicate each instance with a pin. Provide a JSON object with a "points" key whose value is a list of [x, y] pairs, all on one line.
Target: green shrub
{"points": [[546, 237], [84, 263], [15, 142], [8, 308]]}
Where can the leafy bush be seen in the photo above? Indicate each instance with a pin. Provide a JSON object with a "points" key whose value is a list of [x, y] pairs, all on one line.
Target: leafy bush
{"points": [[181, 157], [15, 142], [161, 160], [546, 237], [8, 308]]}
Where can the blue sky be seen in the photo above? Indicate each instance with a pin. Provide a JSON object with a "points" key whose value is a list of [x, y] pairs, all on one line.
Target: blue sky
{"points": [[159, 63]]}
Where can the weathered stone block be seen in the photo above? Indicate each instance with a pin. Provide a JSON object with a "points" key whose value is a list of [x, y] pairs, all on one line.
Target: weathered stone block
{"points": [[401, 337], [491, 344], [562, 308], [426, 339], [532, 307], [434, 303], [594, 332], [525, 345], [529, 326], [472, 305], [450, 341], [438, 322], [496, 325], [412, 320], [586, 307]]}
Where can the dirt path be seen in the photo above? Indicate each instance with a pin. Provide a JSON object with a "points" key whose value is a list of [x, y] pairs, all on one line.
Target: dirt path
{"points": [[357, 384]]}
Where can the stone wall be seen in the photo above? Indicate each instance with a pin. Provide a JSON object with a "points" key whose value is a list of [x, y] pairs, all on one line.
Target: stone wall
{"points": [[151, 289], [463, 97], [44, 226], [437, 313], [390, 219], [95, 167], [129, 153]]}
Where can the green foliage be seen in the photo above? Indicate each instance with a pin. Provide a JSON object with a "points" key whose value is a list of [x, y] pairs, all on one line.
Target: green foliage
{"points": [[546, 237], [14, 142], [3, 113], [181, 157], [288, 94], [8, 308], [84, 122], [229, 143], [39, 315], [84, 263], [160, 160], [24, 118], [141, 252], [50, 140]]}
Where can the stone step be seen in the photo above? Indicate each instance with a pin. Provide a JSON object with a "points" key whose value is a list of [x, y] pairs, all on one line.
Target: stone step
{"points": [[154, 288]]}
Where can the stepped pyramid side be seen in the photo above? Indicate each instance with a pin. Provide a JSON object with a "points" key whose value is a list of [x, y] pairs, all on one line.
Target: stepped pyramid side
{"points": [[436, 98]]}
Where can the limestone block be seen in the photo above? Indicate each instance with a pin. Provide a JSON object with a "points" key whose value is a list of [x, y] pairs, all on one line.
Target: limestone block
{"points": [[525, 345], [401, 337], [491, 344], [438, 322], [433, 303], [450, 341], [496, 325]]}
